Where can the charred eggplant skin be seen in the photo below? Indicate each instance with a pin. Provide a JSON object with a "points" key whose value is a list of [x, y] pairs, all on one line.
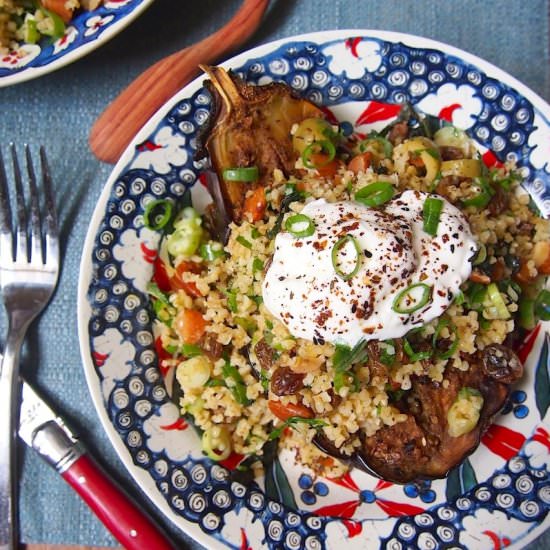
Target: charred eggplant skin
{"points": [[421, 447], [249, 126]]}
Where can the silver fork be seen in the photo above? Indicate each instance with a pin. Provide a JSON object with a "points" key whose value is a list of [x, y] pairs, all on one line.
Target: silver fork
{"points": [[29, 267]]}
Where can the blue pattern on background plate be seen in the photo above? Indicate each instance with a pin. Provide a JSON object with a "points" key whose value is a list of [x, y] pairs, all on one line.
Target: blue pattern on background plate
{"points": [[88, 29], [198, 489]]}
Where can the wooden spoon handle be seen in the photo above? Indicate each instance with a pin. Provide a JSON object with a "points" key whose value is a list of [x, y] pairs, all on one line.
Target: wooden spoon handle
{"points": [[124, 117]]}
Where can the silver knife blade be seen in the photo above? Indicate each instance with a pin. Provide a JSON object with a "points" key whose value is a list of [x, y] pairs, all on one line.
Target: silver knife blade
{"points": [[43, 430]]}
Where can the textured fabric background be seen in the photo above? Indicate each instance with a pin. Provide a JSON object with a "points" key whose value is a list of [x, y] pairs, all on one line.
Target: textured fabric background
{"points": [[58, 110]]}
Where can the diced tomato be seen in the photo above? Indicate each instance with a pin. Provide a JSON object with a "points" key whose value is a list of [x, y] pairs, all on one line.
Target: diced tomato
{"points": [[541, 257], [524, 275], [189, 287], [160, 275], [326, 462], [479, 277], [359, 163], [255, 204], [58, 7], [190, 325], [416, 160], [394, 385], [498, 271], [325, 168], [284, 411]]}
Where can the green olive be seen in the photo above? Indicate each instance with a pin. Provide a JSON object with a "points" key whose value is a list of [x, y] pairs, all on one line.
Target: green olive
{"points": [[450, 136], [309, 131]]}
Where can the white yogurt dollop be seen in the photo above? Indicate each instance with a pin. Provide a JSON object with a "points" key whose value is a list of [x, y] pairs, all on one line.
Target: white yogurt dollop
{"points": [[304, 291]]}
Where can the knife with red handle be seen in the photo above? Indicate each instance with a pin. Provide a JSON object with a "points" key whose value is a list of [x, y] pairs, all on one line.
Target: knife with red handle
{"points": [[44, 431]]}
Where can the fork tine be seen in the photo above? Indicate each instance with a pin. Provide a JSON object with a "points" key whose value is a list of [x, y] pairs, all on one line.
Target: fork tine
{"points": [[51, 230], [21, 238], [6, 242], [35, 232]]}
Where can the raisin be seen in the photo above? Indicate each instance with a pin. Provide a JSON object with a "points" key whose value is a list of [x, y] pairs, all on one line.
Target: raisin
{"points": [[285, 381]]}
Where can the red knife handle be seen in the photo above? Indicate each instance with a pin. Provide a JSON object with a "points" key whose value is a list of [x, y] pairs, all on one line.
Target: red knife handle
{"points": [[129, 525]]}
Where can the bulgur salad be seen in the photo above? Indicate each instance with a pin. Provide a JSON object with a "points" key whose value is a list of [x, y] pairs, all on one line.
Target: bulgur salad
{"points": [[28, 21], [356, 299]]}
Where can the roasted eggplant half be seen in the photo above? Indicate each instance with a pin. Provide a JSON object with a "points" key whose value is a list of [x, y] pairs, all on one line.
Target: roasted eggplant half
{"points": [[445, 420], [249, 128]]}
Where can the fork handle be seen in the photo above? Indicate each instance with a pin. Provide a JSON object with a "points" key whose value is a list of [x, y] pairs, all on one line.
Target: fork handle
{"points": [[9, 421]]}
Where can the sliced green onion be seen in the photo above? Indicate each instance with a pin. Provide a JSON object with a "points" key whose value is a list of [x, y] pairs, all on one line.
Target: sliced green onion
{"points": [[497, 308], [484, 323], [246, 243], [190, 350], [257, 265], [264, 379], [52, 25], [526, 311], [454, 343], [434, 153], [246, 174], [481, 200], [290, 188], [475, 296], [211, 251], [300, 225], [235, 383], [231, 300], [157, 214], [293, 420], [394, 395], [248, 324], [318, 147], [343, 359], [336, 249], [285, 205], [435, 182], [342, 379], [402, 300], [215, 383], [413, 355], [459, 298], [31, 34], [154, 290], [256, 299], [431, 213], [375, 194], [344, 356], [481, 255], [386, 357], [542, 305]]}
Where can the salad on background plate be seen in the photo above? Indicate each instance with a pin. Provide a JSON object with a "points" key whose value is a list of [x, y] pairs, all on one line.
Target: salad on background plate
{"points": [[40, 36]]}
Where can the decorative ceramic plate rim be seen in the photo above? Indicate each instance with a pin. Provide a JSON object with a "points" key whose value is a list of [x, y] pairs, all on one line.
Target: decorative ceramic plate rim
{"points": [[141, 476], [30, 72]]}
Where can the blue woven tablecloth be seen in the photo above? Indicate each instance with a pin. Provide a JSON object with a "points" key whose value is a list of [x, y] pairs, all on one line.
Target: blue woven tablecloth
{"points": [[58, 110]]}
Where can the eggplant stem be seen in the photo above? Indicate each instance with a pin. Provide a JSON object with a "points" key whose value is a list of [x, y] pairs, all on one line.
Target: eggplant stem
{"points": [[224, 85]]}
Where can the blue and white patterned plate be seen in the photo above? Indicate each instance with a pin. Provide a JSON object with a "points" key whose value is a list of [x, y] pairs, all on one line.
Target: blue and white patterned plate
{"points": [[86, 32], [499, 497]]}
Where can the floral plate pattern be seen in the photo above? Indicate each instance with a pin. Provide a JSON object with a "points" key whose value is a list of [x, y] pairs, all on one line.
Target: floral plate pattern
{"points": [[499, 496], [86, 32]]}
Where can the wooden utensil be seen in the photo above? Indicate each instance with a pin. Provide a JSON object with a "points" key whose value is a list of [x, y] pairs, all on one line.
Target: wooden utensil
{"points": [[124, 117]]}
